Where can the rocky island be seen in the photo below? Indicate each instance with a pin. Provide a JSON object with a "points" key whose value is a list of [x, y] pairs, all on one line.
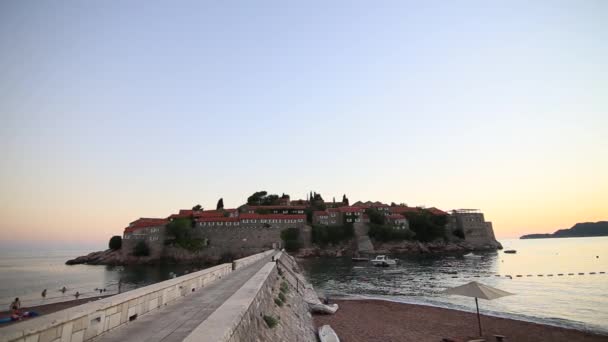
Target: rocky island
{"points": [[310, 227], [586, 229]]}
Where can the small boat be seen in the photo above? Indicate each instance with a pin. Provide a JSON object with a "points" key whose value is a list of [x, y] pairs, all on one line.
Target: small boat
{"points": [[327, 334], [471, 255], [384, 261], [510, 251]]}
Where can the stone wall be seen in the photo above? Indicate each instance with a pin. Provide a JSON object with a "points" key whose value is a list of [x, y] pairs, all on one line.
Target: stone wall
{"points": [[239, 241], [241, 317], [84, 322]]}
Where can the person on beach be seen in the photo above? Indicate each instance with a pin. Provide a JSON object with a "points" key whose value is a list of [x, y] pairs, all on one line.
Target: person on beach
{"points": [[77, 294], [63, 289], [16, 305], [44, 293]]}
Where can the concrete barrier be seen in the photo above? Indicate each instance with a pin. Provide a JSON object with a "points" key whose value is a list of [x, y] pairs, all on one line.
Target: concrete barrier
{"points": [[251, 259], [84, 322], [235, 319]]}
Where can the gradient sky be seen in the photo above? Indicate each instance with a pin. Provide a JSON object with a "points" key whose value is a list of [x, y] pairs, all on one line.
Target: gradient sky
{"points": [[115, 110]]}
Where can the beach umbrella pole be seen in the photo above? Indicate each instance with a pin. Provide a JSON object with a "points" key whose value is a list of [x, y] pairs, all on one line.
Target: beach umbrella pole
{"points": [[478, 317]]}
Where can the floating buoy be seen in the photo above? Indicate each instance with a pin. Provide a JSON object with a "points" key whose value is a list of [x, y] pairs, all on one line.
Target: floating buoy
{"points": [[581, 273], [519, 276], [560, 274], [570, 273], [549, 275], [591, 272], [602, 272], [529, 275], [540, 275]]}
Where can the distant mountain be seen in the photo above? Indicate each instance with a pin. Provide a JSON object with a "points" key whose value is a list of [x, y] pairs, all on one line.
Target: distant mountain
{"points": [[587, 229]]}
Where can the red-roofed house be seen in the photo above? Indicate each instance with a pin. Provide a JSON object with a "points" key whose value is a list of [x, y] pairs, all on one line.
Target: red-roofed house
{"points": [[250, 221], [398, 220], [149, 230]]}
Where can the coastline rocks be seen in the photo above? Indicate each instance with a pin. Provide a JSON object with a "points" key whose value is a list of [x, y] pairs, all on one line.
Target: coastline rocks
{"points": [[107, 257]]}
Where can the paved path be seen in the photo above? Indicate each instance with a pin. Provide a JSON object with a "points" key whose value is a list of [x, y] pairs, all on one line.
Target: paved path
{"points": [[176, 320], [364, 243]]}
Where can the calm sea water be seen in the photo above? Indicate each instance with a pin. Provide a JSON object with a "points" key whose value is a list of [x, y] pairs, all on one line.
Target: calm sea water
{"points": [[25, 273], [576, 301]]}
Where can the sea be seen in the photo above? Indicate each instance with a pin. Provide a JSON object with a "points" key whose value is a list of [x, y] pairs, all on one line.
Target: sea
{"points": [[561, 282]]}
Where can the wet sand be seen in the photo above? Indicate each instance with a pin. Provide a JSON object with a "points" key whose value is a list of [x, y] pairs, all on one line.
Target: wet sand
{"points": [[377, 320], [46, 309]]}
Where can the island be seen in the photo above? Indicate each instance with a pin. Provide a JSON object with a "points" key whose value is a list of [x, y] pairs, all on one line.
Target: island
{"points": [[586, 229], [304, 227]]}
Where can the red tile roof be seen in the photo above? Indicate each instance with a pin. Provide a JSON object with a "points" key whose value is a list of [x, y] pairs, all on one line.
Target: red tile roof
{"points": [[396, 216], [145, 223], [436, 211], [320, 213]]}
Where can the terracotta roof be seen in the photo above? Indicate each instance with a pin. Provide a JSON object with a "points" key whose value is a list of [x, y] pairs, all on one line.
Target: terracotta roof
{"points": [[436, 211], [402, 209], [320, 213], [396, 216], [145, 223]]}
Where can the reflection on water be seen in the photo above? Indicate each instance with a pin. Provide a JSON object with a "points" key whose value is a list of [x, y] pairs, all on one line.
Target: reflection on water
{"points": [[27, 273], [574, 301]]}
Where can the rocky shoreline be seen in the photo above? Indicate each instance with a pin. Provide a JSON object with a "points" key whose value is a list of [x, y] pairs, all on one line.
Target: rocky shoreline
{"points": [[405, 247], [178, 255]]}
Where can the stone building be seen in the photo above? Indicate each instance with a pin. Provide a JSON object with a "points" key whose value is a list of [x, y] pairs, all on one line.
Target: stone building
{"points": [[149, 230], [329, 217], [398, 221], [477, 231], [273, 209]]}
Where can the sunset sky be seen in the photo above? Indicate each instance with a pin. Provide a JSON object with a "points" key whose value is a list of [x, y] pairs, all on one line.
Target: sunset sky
{"points": [[112, 111]]}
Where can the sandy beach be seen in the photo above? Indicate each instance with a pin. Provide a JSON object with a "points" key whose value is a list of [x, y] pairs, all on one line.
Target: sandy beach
{"points": [[53, 307], [377, 320]]}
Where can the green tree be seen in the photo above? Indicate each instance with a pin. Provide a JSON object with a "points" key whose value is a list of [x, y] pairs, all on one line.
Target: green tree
{"points": [[345, 199], [291, 239], [115, 242], [375, 216], [141, 249], [220, 204], [180, 229], [197, 207], [426, 225]]}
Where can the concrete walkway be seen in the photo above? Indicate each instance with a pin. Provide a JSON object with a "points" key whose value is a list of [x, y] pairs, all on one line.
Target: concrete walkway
{"points": [[176, 320]]}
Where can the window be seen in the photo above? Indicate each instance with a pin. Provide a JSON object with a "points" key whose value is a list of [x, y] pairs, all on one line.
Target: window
{"points": [[300, 220], [245, 221], [220, 223], [229, 223], [236, 223], [349, 220]]}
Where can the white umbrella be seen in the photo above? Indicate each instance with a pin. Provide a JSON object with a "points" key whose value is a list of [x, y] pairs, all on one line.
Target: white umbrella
{"points": [[477, 290]]}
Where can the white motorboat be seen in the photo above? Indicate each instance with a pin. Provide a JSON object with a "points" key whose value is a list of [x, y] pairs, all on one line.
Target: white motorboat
{"points": [[383, 260], [471, 255], [327, 334]]}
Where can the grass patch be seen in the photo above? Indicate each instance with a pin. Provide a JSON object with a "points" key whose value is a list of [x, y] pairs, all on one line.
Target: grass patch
{"points": [[284, 287], [278, 301], [271, 322], [282, 297]]}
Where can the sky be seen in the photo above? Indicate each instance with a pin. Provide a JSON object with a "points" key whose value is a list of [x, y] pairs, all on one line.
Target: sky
{"points": [[116, 110]]}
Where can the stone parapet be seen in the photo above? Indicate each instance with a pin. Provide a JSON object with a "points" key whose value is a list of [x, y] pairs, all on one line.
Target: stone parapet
{"points": [[235, 317], [84, 322], [251, 259]]}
